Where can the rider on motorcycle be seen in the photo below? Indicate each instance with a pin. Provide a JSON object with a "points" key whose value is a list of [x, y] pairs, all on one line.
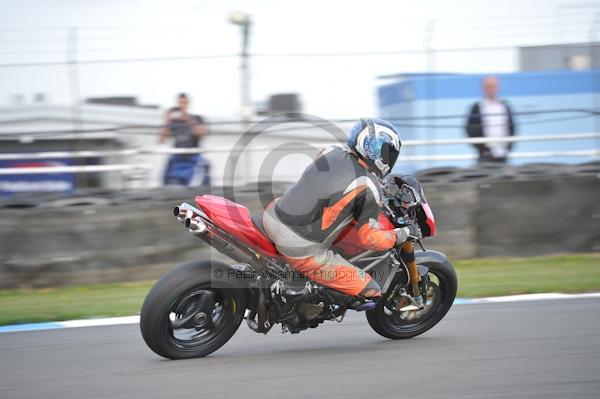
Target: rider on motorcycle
{"points": [[342, 184]]}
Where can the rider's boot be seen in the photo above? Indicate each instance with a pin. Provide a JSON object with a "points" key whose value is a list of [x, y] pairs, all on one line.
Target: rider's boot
{"points": [[349, 301]]}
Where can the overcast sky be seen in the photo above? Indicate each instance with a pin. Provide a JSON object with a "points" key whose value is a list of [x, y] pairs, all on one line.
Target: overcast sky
{"points": [[36, 31]]}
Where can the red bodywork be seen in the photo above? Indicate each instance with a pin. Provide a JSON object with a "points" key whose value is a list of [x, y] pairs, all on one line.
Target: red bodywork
{"points": [[430, 220], [235, 219]]}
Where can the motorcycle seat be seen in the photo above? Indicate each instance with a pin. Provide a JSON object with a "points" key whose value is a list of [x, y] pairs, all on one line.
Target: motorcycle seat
{"points": [[257, 220]]}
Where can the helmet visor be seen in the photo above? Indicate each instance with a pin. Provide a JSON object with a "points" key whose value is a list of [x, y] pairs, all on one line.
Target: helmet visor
{"points": [[389, 154]]}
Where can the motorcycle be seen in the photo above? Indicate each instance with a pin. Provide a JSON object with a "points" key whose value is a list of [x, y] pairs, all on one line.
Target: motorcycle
{"points": [[196, 308]]}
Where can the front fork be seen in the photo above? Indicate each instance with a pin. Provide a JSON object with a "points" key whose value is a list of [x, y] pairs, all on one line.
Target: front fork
{"points": [[418, 281], [408, 256]]}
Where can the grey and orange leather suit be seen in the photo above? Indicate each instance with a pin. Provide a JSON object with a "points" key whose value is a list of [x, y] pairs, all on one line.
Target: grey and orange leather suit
{"points": [[303, 223]]}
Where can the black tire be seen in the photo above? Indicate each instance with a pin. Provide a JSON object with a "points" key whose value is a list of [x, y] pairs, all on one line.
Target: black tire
{"points": [[392, 328], [193, 277]]}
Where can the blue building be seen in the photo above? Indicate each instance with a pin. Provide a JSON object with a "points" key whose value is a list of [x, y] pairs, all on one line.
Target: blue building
{"points": [[435, 106]]}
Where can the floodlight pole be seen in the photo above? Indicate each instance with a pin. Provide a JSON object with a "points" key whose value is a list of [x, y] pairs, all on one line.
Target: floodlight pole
{"points": [[244, 21]]}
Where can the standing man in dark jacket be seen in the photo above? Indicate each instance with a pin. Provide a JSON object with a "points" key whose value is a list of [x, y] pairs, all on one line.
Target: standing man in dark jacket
{"points": [[187, 131], [491, 117]]}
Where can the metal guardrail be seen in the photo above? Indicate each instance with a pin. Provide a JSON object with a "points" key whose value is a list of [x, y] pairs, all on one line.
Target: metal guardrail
{"points": [[512, 155], [169, 151], [73, 169]]}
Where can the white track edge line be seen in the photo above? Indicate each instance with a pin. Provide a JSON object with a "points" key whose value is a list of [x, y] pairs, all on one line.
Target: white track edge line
{"points": [[113, 321]]}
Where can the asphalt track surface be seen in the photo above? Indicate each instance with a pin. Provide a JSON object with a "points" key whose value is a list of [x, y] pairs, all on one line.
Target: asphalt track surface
{"points": [[542, 349]]}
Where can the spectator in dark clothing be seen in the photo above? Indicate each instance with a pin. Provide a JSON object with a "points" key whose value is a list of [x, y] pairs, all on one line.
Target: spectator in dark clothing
{"points": [[187, 131], [491, 117]]}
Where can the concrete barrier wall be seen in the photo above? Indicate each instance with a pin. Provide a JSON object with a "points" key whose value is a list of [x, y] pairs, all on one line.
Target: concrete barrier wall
{"points": [[518, 218], [127, 236]]}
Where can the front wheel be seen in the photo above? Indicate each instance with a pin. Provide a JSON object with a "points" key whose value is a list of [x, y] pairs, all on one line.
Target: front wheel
{"points": [[185, 315], [387, 321]]}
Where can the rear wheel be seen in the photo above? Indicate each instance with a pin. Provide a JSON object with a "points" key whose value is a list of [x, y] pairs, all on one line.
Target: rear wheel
{"points": [[186, 315], [387, 321]]}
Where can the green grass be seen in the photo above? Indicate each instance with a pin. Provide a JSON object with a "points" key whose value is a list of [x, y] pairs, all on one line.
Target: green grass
{"points": [[67, 303], [477, 278], [494, 277]]}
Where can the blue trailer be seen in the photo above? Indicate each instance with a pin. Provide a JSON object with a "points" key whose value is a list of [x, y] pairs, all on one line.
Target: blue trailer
{"points": [[435, 106]]}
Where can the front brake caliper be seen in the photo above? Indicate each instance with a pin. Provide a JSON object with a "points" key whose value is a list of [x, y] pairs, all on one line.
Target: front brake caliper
{"points": [[424, 280], [424, 285]]}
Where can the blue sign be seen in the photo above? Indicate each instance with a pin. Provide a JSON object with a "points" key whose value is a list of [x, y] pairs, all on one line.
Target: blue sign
{"points": [[37, 182]]}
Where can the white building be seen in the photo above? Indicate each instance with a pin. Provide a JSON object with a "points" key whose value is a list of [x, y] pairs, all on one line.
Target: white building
{"points": [[128, 136]]}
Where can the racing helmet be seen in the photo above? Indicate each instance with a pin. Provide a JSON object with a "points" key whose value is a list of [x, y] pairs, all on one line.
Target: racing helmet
{"points": [[377, 142]]}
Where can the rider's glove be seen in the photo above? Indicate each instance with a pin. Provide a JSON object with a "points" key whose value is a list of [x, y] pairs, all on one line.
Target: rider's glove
{"points": [[411, 232], [415, 232]]}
